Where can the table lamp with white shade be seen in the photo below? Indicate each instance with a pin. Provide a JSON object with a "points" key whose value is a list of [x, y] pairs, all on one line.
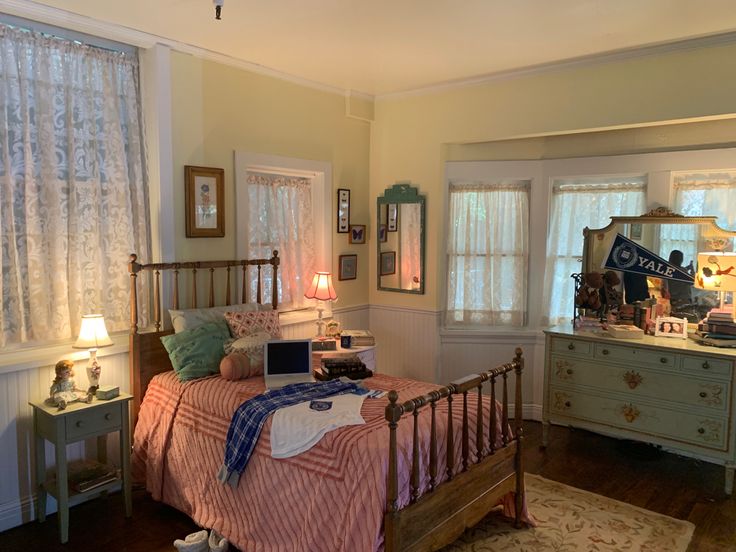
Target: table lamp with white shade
{"points": [[92, 336], [716, 272], [322, 290]]}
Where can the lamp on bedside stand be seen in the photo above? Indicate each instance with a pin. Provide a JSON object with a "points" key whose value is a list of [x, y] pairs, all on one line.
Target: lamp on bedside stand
{"points": [[322, 290], [92, 336]]}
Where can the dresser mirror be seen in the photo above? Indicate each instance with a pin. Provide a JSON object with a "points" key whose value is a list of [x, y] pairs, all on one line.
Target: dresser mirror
{"points": [[400, 237], [661, 231]]}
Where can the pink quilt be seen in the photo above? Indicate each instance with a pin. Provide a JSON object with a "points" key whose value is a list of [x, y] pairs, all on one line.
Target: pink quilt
{"points": [[331, 497]]}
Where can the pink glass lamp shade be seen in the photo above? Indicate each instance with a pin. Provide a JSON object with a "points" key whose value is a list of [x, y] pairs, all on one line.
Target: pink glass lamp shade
{"points": [[322, 290], [92, 336]]}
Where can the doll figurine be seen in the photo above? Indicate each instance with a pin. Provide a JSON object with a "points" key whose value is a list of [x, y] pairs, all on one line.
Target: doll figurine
{"points": [[63, 389]]}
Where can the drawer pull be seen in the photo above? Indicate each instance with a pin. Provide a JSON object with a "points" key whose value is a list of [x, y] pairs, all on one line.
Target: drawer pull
{"points": [[701, 430], [567, 404], [604, 351], [80, 423], [633, 379], [571, 346], [663, 360], [569, 371], [706, 365], [703, 394], [108, 416]]}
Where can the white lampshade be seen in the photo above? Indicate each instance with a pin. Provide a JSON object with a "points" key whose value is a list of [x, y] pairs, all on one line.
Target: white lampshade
{"points": [[92, 334], [716, 271], [321, 287]]}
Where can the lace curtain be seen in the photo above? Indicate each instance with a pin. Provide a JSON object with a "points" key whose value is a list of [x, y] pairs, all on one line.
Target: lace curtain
{"points": [[73, 198], [487, 253], [575, 205], [280, 218]]}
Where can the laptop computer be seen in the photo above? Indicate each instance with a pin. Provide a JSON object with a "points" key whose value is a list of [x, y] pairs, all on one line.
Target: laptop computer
{"points": [[287, 361]]}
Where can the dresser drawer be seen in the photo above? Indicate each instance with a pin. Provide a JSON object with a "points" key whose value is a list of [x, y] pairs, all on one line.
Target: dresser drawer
{"points": [[627, 355], [635, 382], [91, 422], [704, 365], [570, 346], [705, 431]]}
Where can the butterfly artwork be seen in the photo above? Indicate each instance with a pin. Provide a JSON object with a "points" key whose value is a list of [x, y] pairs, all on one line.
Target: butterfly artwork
{"points": [[357, 233]]}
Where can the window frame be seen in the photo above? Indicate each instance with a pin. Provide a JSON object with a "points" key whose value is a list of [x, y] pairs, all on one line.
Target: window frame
{"points": [[320, 174]]}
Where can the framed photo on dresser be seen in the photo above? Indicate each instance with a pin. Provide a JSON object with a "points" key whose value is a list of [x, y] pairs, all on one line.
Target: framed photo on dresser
{"points": [[670, 326]]}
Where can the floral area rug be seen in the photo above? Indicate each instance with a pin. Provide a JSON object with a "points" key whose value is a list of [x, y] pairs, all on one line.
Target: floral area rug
{"points": [[571, 519]]}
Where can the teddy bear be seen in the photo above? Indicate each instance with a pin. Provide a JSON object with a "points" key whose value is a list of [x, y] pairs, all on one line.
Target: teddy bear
{"points": [[588, 296]]}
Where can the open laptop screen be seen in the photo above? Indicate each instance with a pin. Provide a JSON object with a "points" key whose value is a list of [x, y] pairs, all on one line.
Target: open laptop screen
{"points": [[288, 357]]}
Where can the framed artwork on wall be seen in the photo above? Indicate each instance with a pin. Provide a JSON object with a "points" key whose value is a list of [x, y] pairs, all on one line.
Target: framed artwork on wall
{"points": [[204, 193], [393, 217], [382, 234], [388, 263], [343, 211], [357, 233], [348, 267]]}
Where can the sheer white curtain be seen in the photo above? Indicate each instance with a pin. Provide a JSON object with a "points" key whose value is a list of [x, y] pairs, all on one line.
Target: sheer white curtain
{"points": [[576, 204], [280, 218], [488, 253], [73, 191]]}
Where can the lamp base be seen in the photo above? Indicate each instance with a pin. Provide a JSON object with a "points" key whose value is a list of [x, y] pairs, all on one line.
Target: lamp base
{"points": [[93, 372], [320, 323]]}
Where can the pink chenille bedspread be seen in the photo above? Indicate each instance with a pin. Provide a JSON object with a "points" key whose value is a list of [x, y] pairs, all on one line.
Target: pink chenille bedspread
{"points": [[330, 498]]}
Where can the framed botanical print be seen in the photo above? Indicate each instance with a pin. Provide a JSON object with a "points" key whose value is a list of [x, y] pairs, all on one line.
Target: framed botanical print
{"points": [[357, 233], [348, 268], [204, 193], [343, 211], [393, 217], [388, 263]]}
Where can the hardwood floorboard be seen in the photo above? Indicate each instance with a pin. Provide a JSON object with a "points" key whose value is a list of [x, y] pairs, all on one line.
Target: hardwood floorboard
{"points": [[631, 472]]}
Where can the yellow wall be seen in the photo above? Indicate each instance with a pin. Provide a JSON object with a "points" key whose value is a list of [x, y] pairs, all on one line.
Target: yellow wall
{"points": [[218, 109], [412, 135]]}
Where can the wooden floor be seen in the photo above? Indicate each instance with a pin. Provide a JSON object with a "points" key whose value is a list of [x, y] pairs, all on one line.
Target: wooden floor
{"points": [[631, 472]]}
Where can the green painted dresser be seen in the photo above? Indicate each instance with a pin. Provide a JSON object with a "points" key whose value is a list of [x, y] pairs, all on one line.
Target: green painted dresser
{"points": [[668, 392]]}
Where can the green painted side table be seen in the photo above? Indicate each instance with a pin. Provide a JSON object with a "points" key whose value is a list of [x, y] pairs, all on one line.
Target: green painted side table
{"points": [[77, 422]]}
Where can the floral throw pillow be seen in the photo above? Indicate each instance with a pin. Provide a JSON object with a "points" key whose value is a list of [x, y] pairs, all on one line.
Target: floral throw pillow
{"points": [[243, 324]]}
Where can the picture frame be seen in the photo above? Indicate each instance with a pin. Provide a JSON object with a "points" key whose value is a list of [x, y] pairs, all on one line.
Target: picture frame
{"points": [[392, 221], [382, 233], [343, 210], [357, 233], [388, 263], [204, 195], [348, 267], [635, 231], [670, 326]]}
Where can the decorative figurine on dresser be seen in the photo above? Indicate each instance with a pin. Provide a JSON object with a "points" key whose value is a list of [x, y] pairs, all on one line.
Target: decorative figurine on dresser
{"points": [[64, 390], [674, 393]]}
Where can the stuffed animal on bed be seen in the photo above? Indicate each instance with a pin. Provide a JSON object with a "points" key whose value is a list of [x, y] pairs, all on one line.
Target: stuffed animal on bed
{"points": [[63, 389], [588, 296]]}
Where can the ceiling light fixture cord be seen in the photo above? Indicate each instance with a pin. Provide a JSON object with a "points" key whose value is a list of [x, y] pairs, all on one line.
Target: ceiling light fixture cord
{"points": [[218, 7]]}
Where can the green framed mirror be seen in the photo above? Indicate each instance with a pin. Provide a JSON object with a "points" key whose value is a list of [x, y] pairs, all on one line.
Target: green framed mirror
{"points": [[400, 237]]}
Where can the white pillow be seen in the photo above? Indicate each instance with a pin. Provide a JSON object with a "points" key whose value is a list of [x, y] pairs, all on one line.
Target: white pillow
{"points": [[251, 345], [191, 318]]}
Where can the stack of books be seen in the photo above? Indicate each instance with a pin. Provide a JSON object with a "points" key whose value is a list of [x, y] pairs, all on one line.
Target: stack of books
{"points": [[588, 323], [338, 366], [719, 323], [360, 338]]}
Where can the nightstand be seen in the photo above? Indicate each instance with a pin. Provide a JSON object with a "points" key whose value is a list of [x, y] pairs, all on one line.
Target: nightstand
{"points": [[366, 354], [79, 421]]}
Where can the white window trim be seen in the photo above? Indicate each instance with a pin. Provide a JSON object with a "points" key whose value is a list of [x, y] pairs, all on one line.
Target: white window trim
{"points": [[320, 173]]}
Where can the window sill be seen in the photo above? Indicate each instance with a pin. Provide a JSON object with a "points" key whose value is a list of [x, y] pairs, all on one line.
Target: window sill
{"points": [[49, 354], [302, 316], [485, 335]]}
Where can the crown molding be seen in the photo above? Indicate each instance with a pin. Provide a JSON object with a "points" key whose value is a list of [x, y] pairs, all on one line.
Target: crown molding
{"points": [[42, 13], [706, 41]]}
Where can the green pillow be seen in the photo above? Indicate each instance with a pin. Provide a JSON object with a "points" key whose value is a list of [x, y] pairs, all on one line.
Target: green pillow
{"points": [[197, 352]]}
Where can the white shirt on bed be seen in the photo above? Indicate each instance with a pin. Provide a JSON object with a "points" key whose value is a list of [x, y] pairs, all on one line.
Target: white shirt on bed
{"points": [[298, 428]]}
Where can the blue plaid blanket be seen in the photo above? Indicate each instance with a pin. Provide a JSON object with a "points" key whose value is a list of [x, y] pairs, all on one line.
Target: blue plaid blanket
{"points": [[248, 420]]}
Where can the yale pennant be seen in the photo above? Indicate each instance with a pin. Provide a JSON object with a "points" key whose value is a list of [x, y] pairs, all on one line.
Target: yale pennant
{"points": [[628, 256]]}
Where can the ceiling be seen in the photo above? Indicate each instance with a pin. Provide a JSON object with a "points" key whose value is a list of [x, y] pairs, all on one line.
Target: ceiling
{"points": [[381, 47]]}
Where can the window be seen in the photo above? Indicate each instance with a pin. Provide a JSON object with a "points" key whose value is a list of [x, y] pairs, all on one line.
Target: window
{"points": [[487, 253], [73, 190], [593, 201], [282, 205]]}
